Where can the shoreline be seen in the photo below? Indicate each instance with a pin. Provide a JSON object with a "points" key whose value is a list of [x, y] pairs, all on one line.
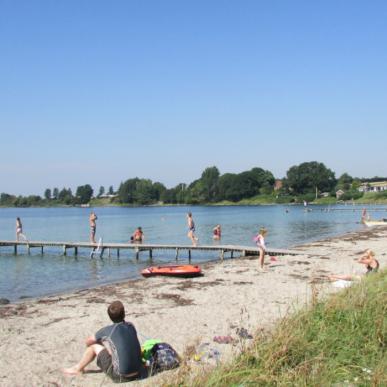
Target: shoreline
{"points": [[47, 333]]}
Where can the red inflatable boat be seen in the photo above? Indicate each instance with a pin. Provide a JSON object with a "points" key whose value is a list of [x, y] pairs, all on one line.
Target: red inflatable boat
{"points": [[173, 271]]}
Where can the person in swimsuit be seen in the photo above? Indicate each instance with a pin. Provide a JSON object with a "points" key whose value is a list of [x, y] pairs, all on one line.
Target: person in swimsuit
{"points": [[191, 229], [370, 262], [217, 232], [116, 348], [260, 242], [138, 236], [93, 226], [19, 230]]}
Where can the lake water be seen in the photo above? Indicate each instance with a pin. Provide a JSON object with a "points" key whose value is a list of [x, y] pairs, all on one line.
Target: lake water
{"points": [[37, 275]]}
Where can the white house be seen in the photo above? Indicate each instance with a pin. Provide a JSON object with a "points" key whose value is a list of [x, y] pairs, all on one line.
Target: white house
{"points": [[376, 186]]}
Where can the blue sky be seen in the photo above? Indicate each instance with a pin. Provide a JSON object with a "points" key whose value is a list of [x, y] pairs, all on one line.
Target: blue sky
{"points": [[101, 91]]}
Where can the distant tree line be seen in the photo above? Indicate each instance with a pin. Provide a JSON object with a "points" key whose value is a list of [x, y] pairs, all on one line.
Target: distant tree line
{"points": [[305, 181]]}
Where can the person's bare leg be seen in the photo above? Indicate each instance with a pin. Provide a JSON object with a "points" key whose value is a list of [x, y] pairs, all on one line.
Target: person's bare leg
{"points": [[88, 356], [261, 258], [344, 277]]}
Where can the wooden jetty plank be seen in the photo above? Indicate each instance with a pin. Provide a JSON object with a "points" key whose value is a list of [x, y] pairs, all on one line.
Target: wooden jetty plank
{"points": [[222, 249]]}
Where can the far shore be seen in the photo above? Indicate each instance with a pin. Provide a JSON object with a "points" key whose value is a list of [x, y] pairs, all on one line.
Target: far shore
{"points": [[39, 337], [244, 202]]}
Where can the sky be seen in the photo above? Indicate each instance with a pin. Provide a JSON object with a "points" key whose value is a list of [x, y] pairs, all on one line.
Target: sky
{"points": [[97, 92]]}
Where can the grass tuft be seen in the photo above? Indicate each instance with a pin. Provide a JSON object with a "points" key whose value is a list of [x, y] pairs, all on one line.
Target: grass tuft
{"points": [[339, 341]]}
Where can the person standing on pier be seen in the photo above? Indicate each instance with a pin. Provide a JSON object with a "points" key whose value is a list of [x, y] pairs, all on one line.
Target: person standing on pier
{"points": [[19, 230], [260, 241], [191, 229], [93, 226]]}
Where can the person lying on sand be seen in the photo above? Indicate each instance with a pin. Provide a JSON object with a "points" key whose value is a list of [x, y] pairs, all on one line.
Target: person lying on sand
{"points": [[368, 259], [116, 347]]}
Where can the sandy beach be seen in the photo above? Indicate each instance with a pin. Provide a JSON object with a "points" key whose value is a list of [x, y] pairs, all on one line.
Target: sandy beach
{"points": [[40, 337]]}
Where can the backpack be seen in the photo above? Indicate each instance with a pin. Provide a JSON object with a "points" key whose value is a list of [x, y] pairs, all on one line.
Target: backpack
{"points": [[164, 357]]}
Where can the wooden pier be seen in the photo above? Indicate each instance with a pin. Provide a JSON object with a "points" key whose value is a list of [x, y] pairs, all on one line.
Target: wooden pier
{"points": [[98, 250]]}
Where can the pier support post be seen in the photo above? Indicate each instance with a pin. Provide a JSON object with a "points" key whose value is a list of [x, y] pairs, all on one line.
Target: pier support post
{"points": [[15, 249], [177, 254], [232, 253], [189, 255], [150, 254], [109, 255], [118, 252], [137, 254], [28, 249], [64, 250], [76, 250], [41, 249], [221, 255]]}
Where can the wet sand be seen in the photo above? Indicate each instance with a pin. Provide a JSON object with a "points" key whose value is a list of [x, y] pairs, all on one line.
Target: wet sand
{"points": [[40, 337]]}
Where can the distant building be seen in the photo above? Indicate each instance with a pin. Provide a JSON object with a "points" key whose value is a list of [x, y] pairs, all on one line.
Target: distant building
{"points": [[108, 196], [376, 186], [339, 193], [278, 184], [324, 194]]}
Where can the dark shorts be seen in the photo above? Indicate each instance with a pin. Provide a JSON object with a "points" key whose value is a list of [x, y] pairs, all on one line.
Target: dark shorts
{"points": [[104, 361]]}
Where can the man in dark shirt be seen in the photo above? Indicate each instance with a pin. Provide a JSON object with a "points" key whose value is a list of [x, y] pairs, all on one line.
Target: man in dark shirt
{"points": [[116, 347]]}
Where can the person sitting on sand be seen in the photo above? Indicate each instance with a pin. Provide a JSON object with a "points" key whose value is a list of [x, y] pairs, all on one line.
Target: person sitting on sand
{"points": [[260, 241], [138, 236], [217, 232], [368, 259], [116, 347]]}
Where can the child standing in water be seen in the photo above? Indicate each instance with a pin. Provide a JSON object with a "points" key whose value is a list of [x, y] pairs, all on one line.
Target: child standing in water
{"points": [[260, 241], [191, 229], [217, 232]]}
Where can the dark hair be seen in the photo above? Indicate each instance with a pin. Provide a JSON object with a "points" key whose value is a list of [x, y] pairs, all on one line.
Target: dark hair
{"points": [[116, 311]]}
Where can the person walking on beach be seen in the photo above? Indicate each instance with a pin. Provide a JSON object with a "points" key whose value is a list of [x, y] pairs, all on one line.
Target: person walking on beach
{"points": [[19, 230], [259, 239], [191, 229], [217, 232], [116, 348], [93, 226]]}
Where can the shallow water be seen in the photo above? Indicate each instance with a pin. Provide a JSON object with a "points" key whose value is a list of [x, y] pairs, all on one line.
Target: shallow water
{"points": [[37, 275]]}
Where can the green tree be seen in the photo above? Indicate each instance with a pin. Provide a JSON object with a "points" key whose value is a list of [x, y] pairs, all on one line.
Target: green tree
{"points": [[208, 186], [310, 177], [55, 193], [84, 193], [47, 194], [111, 191], [345, 182], [144, 193], [66, 196], [127, 190]]}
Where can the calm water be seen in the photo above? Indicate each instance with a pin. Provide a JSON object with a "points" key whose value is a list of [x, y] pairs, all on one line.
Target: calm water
{"points": [[36, 275]]}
